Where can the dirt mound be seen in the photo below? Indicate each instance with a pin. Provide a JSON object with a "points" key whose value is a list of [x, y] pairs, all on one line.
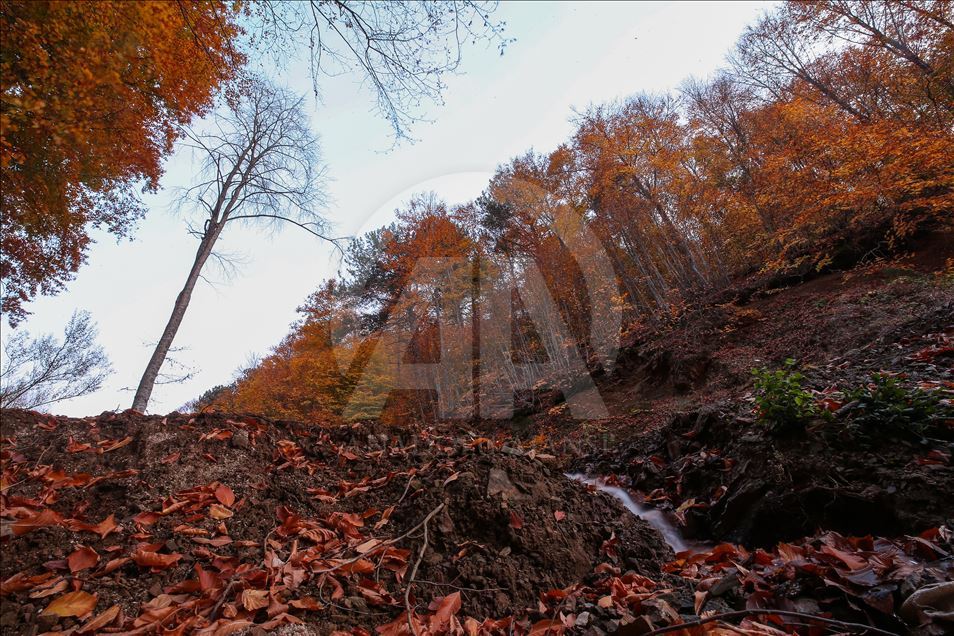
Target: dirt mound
{"points": [[217, 520]]}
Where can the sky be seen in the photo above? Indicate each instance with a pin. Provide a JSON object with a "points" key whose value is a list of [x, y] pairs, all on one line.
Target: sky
{"points": [[566, 57]]}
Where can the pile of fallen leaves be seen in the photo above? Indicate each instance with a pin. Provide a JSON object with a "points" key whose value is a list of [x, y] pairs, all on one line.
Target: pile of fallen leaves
{"points": [[874, 581], [216, 524]]}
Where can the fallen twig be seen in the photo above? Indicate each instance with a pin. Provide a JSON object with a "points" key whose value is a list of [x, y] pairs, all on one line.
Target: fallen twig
{"points": [[383, 543], [417, 564], [757, 612]]}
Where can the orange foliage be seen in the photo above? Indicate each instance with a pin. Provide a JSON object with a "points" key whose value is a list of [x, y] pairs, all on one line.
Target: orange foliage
{"points": [[92, 98], [832, 135]]}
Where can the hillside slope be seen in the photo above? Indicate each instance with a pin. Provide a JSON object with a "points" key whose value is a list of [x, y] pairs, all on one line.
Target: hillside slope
{"points": [[218, 523]]}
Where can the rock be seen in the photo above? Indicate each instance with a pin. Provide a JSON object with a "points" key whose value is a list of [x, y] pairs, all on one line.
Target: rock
{"points": [[498, 483], [728, 582], [582, 619], [510, 450], [240, 439]]}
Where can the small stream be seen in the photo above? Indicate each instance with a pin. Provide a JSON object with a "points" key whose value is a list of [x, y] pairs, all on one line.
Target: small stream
{"points": [[656, 518]]}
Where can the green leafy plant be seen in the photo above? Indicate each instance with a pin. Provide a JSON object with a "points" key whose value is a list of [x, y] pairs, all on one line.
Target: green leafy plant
{"points": [[780, 397], [887, 402]]}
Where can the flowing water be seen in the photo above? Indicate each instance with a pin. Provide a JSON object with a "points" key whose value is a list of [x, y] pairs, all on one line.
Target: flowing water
{"points": [[656, 518]]}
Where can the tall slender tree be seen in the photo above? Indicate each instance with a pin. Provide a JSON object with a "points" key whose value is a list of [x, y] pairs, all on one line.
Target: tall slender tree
{"points": [[260, 165]]}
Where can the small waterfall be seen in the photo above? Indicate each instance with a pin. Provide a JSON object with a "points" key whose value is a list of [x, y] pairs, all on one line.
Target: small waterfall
{"points": [[656, 518]]}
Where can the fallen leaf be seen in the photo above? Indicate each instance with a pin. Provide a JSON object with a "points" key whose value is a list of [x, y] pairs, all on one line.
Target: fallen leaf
{"points": [[367, 546], [112, 445], [219, 512], [448, 607], [559, 515], [225, 495], [82, 558], [53, 587], [42, 519], [145, 558], [515, 521], [98, 622], [72, 604], [254, 599], [307, 603]]}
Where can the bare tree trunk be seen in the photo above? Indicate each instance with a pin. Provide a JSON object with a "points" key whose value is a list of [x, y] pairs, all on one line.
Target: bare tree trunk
{"points": [[144, 392]]}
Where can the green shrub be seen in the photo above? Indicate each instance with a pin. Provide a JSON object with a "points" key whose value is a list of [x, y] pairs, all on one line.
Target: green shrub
{"points": [[780, 398], [887, 402]]}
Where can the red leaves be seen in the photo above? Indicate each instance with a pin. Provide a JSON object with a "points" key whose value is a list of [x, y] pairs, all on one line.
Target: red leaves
{"points": [[225, 495], [103, 528], [446, 608], [219, 512], [155, 560], [516, 521], [82, 558], [253, 600], [559, 515], [96, 623], [43, 519]]}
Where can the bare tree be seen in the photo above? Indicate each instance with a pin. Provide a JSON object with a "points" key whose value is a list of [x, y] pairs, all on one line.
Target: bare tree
{"points": [[43, 370], [260, 165], [402, 48]]}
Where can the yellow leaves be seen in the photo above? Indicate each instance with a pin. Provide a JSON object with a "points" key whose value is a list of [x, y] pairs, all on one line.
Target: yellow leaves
{"points": [[72, 604]]}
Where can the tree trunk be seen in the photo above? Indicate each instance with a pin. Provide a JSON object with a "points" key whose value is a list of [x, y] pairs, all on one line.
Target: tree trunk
{"points": [[144, 392]]}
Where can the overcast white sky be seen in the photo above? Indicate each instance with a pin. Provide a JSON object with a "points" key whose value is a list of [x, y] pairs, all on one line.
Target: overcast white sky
{"points": [[567, 55]]}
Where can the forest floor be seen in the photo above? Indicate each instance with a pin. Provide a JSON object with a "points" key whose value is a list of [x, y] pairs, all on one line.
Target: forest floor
{"points": [[223, 524]]}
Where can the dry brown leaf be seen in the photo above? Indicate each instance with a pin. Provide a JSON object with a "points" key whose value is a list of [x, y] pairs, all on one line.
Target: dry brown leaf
{"points": [[72, 604], [98, 622], [82, 558], [219, 512], [225, 495], [254, 599]]}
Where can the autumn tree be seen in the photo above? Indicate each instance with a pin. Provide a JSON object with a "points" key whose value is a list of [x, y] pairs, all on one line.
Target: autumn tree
{"points": [[92, 97], [259, 166], [39, 371]]}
